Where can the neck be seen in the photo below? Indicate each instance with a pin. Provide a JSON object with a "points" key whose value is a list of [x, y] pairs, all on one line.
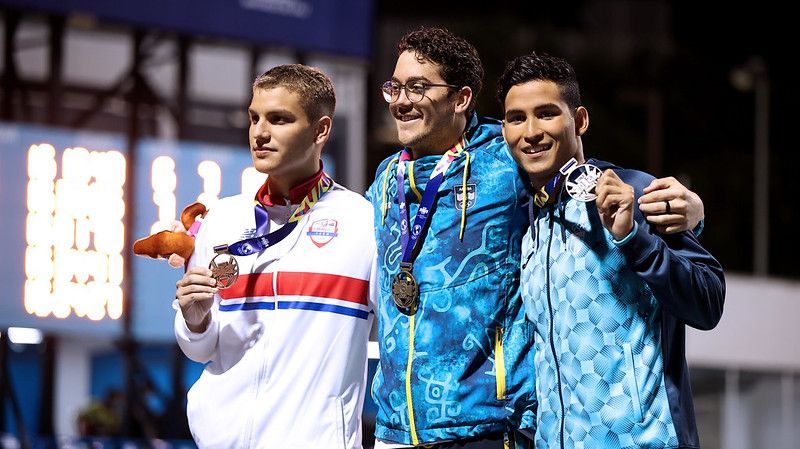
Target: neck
{"points": [[538, 181], [282, 185]]}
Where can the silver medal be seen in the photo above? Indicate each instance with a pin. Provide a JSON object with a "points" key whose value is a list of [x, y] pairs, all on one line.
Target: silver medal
{"points": [[581, 182]]}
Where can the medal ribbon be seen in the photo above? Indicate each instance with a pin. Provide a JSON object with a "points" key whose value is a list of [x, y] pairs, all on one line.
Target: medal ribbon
{"points": [[409, 237], [265, 240], [544, 194]]}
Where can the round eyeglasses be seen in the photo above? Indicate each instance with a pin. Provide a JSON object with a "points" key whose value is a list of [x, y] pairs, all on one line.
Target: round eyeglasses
{"points": [[415, 90]]}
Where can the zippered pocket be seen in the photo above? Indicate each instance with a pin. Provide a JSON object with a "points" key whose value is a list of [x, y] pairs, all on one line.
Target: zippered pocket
{"points": [[633, 385], [341, 426]]}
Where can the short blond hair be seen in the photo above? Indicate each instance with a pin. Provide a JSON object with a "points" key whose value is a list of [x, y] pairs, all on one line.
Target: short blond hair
{"points": [[315, 89]]}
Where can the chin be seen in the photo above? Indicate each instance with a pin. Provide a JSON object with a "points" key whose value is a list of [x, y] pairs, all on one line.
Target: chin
{"points": [[262, 166], [407, 136], [539, 171], [407, 140]]}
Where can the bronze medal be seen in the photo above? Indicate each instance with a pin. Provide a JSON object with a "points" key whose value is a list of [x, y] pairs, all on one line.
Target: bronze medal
{"points": [[224, 269], [405, 290]]}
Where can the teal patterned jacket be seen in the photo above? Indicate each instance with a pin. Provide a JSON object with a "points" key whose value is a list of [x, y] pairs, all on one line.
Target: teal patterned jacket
{"points": [[610, 321], [462, 366]]}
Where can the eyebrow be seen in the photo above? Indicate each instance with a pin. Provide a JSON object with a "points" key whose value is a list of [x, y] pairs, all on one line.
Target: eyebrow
{"points": [[414, 79], [538, 107], [272, 112]]}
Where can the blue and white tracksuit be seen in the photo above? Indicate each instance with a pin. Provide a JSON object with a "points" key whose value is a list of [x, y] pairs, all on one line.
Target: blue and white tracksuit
{"points": [[460, 366], [609, 326]]}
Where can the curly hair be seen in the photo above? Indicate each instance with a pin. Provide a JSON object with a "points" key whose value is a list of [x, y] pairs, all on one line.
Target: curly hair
{"points": [[540, 67], [458, 59], [315, 89]]}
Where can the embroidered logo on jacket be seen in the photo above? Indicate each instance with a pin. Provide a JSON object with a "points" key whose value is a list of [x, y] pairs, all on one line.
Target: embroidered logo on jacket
{"points": [[323, 231], [458, 195]]}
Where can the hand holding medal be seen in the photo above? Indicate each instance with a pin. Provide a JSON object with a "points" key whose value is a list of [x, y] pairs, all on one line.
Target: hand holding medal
{"points": [[585, 182], [224, 268], [195, 294], [615, 204]]}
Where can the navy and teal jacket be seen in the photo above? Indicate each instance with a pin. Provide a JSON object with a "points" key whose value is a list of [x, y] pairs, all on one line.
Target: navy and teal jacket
{"points": [[610, 325], [460, 367]]}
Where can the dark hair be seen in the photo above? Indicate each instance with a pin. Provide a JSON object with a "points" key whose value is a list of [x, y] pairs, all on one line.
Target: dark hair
{"points": [[458, 59], [314, 88], [540, 67]]}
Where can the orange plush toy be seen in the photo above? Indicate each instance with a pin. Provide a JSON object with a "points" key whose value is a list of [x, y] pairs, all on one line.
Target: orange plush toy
{"points": [[176, 245]]}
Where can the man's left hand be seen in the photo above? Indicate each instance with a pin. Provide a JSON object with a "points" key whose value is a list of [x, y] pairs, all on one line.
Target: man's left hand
{"points": [[670, 206]]}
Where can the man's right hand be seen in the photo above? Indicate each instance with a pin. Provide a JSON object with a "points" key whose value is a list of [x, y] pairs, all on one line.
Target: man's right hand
{"points": [[195, 294]]}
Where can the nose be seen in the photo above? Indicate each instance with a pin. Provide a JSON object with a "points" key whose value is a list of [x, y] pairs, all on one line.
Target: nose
{"points": [[402, 99], [532, 132], [260, 131]]}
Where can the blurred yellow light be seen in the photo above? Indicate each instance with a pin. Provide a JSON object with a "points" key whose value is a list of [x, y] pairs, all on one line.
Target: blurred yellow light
{"points": [[211, 174], [114, 301], [40, 196], [37, 229], [42, 162], [163, 182], [75, 233]]}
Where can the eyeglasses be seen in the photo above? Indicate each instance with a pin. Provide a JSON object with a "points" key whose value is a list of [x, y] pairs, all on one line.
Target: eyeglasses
{"points": [[415, 90]]}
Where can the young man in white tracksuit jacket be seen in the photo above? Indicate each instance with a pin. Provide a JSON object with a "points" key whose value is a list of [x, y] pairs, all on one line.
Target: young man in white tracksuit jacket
{"points": [[285, 342]]}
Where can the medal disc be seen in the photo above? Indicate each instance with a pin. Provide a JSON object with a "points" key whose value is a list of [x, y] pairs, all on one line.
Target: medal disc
{"points": [[405, 290], [224, 269], [581, 182]]}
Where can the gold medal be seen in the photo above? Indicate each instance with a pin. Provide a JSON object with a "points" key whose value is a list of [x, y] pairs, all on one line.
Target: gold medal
{"points": [[405, 290], [224, 269]]}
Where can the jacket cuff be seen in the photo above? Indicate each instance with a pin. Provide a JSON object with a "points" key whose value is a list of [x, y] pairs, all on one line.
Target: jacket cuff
{"points": [[183, 332], [699, 228], [638, 245], [628, 237]]}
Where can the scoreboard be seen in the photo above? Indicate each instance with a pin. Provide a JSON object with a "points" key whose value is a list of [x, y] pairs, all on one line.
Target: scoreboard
{"points": [[63, 211]]}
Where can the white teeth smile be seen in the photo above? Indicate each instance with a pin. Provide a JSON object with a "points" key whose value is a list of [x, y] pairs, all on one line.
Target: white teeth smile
{"points": [[536, 149]]}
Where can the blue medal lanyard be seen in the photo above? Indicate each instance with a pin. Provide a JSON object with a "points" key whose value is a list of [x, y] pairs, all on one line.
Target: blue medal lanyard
{"points": [[408, 240], [264, 240]]}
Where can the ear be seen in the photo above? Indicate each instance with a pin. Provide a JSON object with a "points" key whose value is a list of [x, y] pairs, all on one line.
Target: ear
{"points": [[503, 129], [581, 120], [463, 99], [324, 125]]}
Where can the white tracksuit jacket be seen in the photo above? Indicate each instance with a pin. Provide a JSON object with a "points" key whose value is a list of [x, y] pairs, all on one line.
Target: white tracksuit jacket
{"points": [[287, 344]]}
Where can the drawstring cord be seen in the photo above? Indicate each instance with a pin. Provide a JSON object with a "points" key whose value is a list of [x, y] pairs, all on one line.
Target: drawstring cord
{"points": [[563, 207], [384, 204], [464, 197]]}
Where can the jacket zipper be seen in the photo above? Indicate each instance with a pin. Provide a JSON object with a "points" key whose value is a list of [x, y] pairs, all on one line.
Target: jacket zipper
{"points": [[412, 424], [552, 332], [409, 403]]}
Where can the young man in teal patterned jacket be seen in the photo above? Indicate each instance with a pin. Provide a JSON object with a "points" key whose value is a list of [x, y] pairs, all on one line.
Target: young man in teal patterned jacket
{"points": [[453, 364], [608, 296]]}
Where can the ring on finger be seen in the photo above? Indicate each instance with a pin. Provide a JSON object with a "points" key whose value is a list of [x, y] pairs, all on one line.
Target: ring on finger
{"points": [[669, 209]]}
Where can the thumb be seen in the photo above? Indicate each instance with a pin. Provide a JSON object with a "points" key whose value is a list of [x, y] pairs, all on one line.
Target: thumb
{"points": [[176, 261]]}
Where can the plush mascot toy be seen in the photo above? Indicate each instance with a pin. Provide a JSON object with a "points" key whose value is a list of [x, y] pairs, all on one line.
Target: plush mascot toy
{"points": [[177, 244]]}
